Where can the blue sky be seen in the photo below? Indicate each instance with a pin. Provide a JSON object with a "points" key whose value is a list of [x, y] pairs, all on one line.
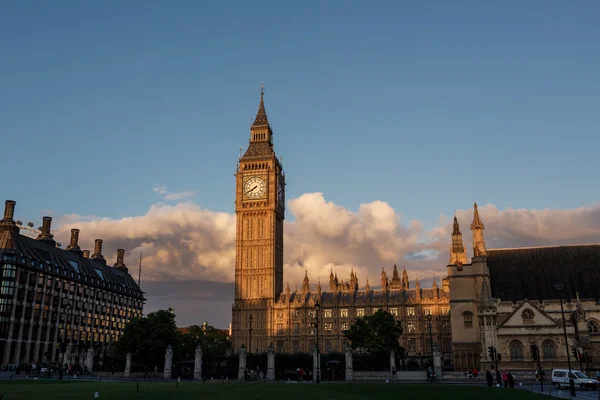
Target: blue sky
{"points": [[426, 106]]}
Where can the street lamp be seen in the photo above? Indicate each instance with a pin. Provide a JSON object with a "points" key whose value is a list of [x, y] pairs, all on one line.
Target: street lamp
{"points": [[429, 317], [318, 371], [250, 319], [560, 288]]}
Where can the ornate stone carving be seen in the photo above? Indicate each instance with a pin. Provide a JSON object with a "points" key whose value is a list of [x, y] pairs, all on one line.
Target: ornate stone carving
{"points": [[349, 365], [168, 362], [127, 366], [198, 363]]}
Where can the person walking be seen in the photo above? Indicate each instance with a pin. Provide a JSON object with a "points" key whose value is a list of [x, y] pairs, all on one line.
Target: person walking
{"points": [[489, 378], [511, 380]]}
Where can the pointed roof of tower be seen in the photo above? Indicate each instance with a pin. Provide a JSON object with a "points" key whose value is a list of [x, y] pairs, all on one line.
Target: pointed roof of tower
{"points": [[455, 227], [261, 119], [476, 224]]}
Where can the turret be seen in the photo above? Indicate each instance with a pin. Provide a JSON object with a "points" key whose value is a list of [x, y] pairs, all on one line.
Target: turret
{"points": [[384, 280], [478, 239], [305, 284], [458, 254]]}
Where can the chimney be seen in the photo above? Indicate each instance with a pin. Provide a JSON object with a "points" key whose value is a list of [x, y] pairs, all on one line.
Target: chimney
{"points": [[8, 224], [74, 239], [98, 251], [86, 254], [120, 257], [9, 209], [45, 235], [74, 244]]}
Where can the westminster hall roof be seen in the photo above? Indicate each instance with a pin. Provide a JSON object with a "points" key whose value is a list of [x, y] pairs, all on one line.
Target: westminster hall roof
{"points": [[532, 272]]}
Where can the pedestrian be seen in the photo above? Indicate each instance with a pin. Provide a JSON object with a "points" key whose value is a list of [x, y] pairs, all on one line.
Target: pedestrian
{"points": [[511, 380], [489, 378], [505, 378]]}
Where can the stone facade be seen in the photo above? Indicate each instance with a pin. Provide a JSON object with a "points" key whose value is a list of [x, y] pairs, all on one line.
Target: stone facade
{"points": [[54, 300], [286, 319], [489, 304], [487, 297]]}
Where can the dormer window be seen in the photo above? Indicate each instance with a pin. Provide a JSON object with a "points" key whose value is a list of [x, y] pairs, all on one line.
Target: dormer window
{"points": [[528, 317]]}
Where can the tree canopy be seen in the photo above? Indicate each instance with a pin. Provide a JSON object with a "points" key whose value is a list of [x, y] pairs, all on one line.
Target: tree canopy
{"points": [[376, 334], [148, 337], [214, 343]]}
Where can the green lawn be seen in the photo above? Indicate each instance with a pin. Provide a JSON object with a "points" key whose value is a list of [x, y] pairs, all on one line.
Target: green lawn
{"points": [[51, 390]]}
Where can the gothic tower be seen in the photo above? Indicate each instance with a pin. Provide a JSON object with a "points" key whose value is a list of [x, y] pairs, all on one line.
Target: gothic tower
{"points": [[470, 298], [259, 207]]}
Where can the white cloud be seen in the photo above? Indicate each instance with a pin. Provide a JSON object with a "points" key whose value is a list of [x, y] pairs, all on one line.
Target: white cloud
{"points": [[173, 196], [187, 242]]}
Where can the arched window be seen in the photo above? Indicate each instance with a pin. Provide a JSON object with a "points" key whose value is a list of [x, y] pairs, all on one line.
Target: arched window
{"points": [[592, 327], [527, 316], [516, 350], [468, 319], [549, 350]]}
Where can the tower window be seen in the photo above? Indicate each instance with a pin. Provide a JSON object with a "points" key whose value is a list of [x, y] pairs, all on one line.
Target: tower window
{"points": [[468, 319]]}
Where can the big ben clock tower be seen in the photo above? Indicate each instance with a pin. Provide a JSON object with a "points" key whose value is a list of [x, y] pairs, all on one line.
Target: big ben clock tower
{"points": [[259, 207]]}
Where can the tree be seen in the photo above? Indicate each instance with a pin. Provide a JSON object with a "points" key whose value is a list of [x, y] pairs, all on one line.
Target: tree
{"points": [[147, 338], [214, 342], [377, 333]]}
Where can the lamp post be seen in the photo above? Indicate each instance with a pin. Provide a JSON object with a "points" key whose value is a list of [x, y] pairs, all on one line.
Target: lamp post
{"points": [[250, 320], [318, 371], [559, 288], [429, 318]]}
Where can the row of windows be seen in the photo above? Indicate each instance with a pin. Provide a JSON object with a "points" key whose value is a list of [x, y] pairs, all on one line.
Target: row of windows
{"points": [[75, 275], [345, 325], [360, 312]]}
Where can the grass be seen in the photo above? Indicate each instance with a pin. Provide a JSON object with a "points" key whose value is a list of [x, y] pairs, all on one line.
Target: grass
{"points": [[51, 390]]}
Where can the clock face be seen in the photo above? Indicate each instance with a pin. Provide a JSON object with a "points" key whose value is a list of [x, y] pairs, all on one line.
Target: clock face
{"points": [[255, 188], [280, 191]]}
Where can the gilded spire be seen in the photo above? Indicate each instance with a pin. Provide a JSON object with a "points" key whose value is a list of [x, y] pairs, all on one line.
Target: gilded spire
{"points": [[261, 119], [458, 255], [478, 239], [456, 228], [476, 224]]}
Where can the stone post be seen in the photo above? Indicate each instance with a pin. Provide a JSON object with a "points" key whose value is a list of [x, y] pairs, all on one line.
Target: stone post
{"points": [[89, 359], [316, 365], [437, 362], [198, 363], [168, 362], [242, 363], [271, 363], [127, 366], [349, 366], [392, 365]]}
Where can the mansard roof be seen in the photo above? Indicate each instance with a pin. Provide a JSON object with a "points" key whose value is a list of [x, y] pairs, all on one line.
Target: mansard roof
{"points": [[532, 272], [37, 254]]}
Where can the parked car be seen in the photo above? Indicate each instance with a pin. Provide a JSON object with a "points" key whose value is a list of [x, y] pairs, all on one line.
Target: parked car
{"points": [[560, 378]]}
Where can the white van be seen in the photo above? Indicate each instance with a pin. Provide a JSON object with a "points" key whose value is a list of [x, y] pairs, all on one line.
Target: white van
{"points": [[560, 378]]}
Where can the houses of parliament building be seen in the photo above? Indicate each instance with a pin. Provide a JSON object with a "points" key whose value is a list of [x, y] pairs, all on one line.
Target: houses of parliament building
{"points": [[506, 298]]}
